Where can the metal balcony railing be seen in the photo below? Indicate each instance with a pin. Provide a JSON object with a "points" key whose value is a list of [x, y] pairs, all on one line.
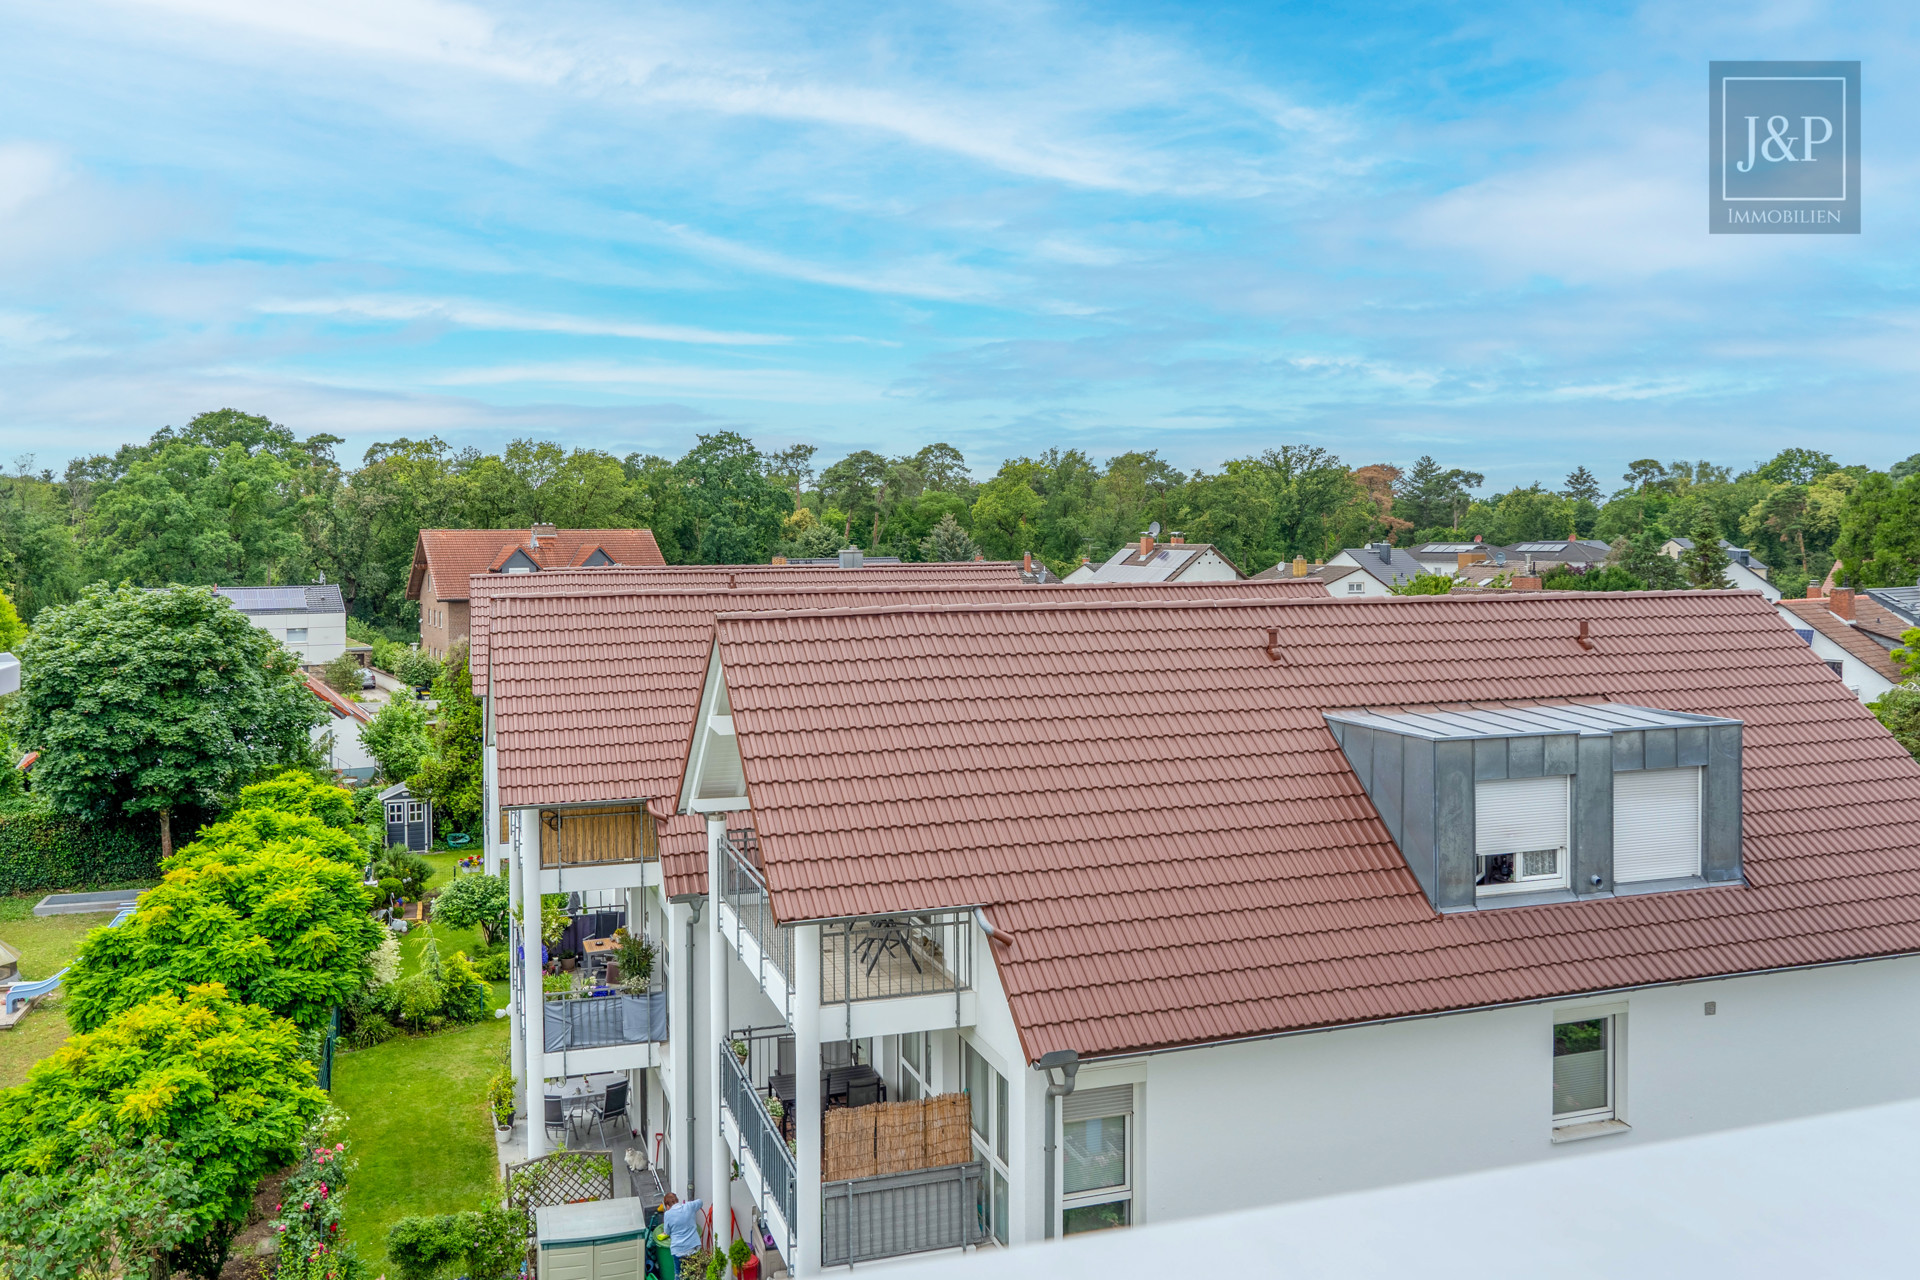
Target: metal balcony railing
{"points": [[744, 890], [885, 957], [760, 1137], [866, 1219], [595, 1017]]}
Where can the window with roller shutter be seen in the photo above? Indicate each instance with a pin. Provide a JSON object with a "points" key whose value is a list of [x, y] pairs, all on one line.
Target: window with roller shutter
{"points": [[1656, 825], [1520, 835]]}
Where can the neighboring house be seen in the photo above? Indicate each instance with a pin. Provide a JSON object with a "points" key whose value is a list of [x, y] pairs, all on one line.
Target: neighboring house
{"points": [[345, 754], [409, 821], [1857, 654], [444, 560], [1745, 570], [310, 620], [1902, 602], [1343, 581], [1387, 565], [1175, 560], [1353, 939]]}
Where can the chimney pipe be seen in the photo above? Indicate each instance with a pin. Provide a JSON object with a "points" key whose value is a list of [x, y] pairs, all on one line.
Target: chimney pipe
{"points": [[1026, 562], [1146, 545], [1385, 550], [1177, 539], [1299, 566], [1840, 603], [1813, 591]]}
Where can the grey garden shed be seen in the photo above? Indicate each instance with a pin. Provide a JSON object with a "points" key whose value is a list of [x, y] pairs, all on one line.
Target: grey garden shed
{"points": [[409, 820], [599, 1240]]}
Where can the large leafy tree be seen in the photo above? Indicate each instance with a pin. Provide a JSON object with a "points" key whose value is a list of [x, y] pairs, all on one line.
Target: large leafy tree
{"points": [[474, 901], [278, 926], [145, 701], [1705, 562], [450, 775], [115, 1211], [221, 1082], [735, 508], [399, 736]]}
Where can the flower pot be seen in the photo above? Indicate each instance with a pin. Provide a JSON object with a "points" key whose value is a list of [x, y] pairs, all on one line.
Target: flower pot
{"points": [[503, 1123], [569, 964]]}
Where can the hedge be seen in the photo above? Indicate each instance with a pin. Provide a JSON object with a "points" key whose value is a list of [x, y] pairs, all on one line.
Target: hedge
{"points": [[46, 853]]}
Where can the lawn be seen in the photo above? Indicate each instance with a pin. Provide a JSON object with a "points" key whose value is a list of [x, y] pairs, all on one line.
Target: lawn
{"points": [[47, 944], [451, 939], [419, 1128]]}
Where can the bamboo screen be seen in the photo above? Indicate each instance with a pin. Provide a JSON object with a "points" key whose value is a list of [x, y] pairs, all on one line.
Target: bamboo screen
{"points": [[895, 1137], [607, 833]]}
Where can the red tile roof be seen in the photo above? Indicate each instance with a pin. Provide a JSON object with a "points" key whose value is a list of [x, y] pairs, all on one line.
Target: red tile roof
{"points": [[1864, 647], [453, 555], [336, 703], [594, 692], [1160, 817]]}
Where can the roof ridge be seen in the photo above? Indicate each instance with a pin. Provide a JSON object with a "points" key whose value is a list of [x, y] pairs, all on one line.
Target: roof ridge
{"points": [[1530, 597]]}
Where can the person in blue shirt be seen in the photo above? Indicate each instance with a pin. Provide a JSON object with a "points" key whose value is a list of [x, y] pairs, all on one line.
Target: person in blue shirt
{"points": [[683, 1229]]}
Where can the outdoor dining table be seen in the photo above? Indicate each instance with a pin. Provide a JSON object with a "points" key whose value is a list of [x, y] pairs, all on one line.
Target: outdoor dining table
{"points": [[834, 1083], [594, 946], [587, 1092]]}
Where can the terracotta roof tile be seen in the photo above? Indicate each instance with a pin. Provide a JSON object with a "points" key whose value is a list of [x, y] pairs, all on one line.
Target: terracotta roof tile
{"points": [[454, 555], [1158, 815], [1815, 614]]}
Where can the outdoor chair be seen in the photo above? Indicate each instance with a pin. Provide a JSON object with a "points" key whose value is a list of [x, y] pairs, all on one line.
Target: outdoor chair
{"points": [[556, 1115], [612, 1107], [863, 1093]]}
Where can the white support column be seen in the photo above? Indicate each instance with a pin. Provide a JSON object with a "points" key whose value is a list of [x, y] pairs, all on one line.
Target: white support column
{"points": [[807, 1102], [528, 846], [720, 1177], [680, 1075], [517, 1002]]}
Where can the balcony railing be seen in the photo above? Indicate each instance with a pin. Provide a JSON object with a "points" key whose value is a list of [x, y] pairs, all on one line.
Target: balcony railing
{"points": [[886, 957], [760, 1137], [901, 1213], [744, 890], [596, 1017]]}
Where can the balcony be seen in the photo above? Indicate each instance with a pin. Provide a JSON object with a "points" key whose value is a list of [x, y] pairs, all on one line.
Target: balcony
{"points": [[893, 957], [866, 1219], [597, 1016], [747, 922], [766, 1162], [597, 835]]}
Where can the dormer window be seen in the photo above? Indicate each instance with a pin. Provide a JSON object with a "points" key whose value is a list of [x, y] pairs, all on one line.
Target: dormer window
{"points": [[1511, 805], [1520, 835]]}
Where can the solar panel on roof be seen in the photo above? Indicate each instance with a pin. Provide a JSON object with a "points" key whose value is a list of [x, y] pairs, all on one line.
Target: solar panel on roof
{"points": [[1454, 547], [266, 598], [1540, 546]]}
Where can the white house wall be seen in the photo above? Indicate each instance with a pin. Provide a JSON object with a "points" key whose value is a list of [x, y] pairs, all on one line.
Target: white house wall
{"points": [[1861, 680], [326, 634], [1240, 1125], [1209, 567]]}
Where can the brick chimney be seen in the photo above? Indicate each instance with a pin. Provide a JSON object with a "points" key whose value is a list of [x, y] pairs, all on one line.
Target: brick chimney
{"points": [[1813, 591], [1146, 545], [1299, 566], [1026, 562], [1524, 583], [778, 560], [1840, 603], [1177, 539], [538, 532]]}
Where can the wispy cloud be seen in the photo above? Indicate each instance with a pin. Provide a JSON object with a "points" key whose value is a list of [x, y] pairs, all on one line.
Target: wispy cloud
{"points": [[475, 315]]}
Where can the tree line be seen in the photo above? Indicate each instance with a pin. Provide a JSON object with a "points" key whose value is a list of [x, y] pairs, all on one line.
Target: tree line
{"points": [[235, 498]]}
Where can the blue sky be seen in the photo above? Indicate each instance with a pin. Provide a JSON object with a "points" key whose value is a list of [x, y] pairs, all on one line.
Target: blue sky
{"points": [[1476, 231]]}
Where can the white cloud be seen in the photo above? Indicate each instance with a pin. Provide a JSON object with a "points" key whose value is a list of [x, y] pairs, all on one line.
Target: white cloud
{"points": [[477, 315]]}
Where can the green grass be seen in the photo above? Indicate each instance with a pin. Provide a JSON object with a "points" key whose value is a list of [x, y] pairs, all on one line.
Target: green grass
{"points": [[414, 942], [47, 944], [417, 1120]]}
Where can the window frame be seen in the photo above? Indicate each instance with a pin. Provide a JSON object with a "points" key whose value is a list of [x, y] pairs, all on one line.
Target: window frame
{"points": [[1613, 1116], [996, 1199], [396, 813], [1560, 878], [416, 811], [1123, 1192], [296, 635], [914, 1076]]}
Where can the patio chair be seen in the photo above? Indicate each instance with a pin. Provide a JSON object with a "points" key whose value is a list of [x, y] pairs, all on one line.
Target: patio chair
{"points": [[863, 1093], [556, 1115], [614, 1105]]}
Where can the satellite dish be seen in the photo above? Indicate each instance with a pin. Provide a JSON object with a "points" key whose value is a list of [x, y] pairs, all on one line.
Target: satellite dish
{"points": [[1154, 528]]}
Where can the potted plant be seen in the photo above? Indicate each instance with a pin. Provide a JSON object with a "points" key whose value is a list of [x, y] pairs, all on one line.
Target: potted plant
{"points": [[500, 1095], [569, 961], [740, 1051], [737, 1253]]}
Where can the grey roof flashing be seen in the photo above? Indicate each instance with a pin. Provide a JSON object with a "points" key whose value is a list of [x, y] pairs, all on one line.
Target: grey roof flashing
{"points": [[1472, 723]]}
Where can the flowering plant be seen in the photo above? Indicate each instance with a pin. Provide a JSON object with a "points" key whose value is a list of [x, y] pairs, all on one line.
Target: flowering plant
{"points": [[308, 1225]]}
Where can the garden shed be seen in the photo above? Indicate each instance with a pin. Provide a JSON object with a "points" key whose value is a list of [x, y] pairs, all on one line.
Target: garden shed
{"points": [[409, 820], [598, 1240]]}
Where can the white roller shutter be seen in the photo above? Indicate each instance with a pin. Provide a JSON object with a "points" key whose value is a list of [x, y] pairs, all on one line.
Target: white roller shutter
{"points": [[1512, 814], [1656, 825]]}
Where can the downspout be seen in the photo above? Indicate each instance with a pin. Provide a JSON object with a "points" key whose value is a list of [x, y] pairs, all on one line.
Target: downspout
{"points": [[1067, 1063], [693, 921]]}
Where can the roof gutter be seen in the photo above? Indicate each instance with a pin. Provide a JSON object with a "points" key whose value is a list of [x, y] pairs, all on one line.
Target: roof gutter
{"points": [[1129, 1054]]}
